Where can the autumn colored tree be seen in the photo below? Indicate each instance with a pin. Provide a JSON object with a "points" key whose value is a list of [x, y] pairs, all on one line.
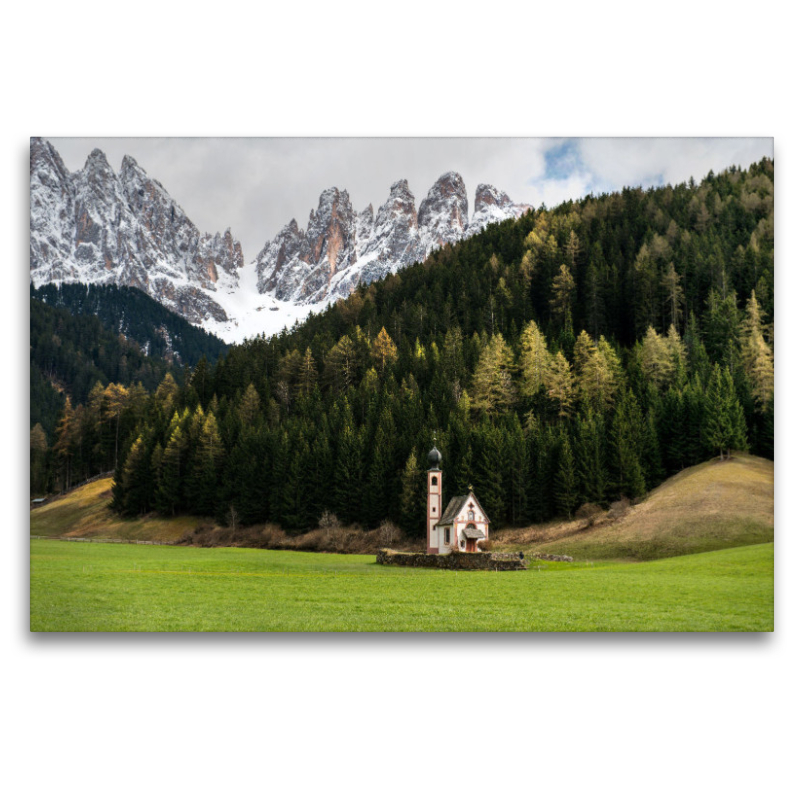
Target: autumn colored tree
{"points": [[493, 389], [384, 351], [561, 301]]}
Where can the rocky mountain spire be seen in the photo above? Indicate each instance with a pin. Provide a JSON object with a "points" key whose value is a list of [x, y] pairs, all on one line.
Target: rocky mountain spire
{"points": [[295, 266], [443, 214], [94, 226]]}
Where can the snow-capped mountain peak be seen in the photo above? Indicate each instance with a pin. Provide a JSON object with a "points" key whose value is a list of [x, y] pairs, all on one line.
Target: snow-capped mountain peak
{"points": [[98, 226], [294, 267]]}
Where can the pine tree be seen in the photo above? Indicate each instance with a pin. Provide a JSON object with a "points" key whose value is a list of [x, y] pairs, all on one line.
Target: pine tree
{"points": [[307, 379], [565, 481], [381, 476], [249, 406], [652, 466], [38, 459], [65, 442], [295, 514], [489, 475], [203, 477], [137, 479], [413, 498], [724, 425], [116, 397], [534, 360], [671, 282], [348, 476], [656, 362], [341, 365], [493, 390], [560, 384], [561, 302], [627, 477], [756, 354], [517, 472], [384, 351], [590, 459]]}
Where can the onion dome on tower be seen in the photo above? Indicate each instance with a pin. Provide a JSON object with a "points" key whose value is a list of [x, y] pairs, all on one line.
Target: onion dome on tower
{"points": [[434, 459]]}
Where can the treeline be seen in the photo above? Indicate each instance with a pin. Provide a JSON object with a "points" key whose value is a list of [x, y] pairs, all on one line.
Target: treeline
{"points": [[575, 355]]}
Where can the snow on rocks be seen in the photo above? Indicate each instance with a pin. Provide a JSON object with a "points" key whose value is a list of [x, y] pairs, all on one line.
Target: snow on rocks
{"points": [[96, 226]]}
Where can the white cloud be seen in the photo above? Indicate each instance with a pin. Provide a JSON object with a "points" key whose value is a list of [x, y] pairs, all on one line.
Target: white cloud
{"points": [[630, 162]]}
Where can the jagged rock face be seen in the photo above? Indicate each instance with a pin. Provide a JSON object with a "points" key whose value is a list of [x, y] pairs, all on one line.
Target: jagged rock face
{"points": [[275, 255], [366, 222], [299, 265], [492, 205], [94, 226], [296, 265], [218, 253], [393, 241], [443, 213], [52, 211]]}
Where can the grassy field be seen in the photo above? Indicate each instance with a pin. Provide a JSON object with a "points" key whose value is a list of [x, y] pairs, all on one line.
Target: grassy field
{"points": [[116, 587], [711, 506]]}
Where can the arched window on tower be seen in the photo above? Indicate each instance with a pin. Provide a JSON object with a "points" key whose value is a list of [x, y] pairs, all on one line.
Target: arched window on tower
{"points": [[434, 481]]}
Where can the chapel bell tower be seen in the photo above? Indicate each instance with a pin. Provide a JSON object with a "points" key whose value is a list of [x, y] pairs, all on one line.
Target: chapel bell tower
{"points": [[434, 497]]}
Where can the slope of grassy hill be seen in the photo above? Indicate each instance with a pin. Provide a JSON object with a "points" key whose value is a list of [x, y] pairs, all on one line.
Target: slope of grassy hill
{"points": [[710, 506], [84, 514]]}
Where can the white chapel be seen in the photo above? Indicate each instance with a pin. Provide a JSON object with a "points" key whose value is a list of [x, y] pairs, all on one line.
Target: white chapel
{"points": [[462, 524]]}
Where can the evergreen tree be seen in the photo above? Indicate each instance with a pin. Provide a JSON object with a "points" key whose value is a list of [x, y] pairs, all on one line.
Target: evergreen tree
{"points": [[38, 459], [590, 459], [203, 478], [137, 479], [565, 482], [489, 476], [724, 425], [413, 498], [561, 302], [347, 476], [380, 488], [627, 477], [169, 496]]}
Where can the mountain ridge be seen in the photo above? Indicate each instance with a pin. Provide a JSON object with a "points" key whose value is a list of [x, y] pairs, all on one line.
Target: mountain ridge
{"points": [[97, 226]]}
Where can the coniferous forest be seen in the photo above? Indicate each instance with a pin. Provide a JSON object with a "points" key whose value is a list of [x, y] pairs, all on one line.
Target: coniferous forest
{"points": [[576, 355]]}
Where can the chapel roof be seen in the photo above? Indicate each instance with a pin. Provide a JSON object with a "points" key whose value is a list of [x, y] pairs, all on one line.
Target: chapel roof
{"points": [[453, 507]]}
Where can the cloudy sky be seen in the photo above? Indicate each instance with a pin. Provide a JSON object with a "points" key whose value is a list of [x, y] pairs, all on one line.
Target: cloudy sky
{"points": [[255, 186]]}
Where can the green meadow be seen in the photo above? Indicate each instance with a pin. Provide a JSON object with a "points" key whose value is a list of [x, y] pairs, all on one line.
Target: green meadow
{"points": [[119, 587]]}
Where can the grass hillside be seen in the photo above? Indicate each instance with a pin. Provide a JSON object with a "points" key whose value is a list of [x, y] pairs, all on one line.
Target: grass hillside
{"points": [[84, 513], [711, 506]]}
